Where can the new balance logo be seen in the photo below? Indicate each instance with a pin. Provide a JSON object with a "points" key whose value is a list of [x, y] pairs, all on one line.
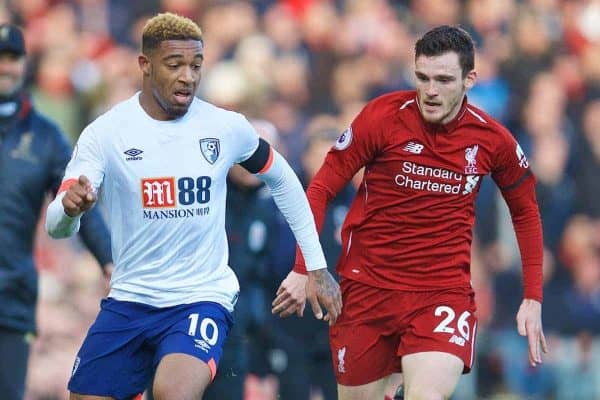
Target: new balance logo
{"points": [[133, 154], [412, 147], [458, 340]]}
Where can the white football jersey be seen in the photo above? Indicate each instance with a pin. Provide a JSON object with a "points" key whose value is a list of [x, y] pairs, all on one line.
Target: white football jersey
{"points": [[163, 187]]}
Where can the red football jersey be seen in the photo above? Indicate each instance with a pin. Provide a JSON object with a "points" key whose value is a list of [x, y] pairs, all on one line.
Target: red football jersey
{"points": [[410, 224]]}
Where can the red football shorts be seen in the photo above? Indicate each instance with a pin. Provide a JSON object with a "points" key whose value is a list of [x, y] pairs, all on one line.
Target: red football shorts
{"points": [[378, 326]]}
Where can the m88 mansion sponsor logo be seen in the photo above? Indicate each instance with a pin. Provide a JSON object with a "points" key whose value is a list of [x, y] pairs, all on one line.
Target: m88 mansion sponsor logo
{"points": [[163, 197], [436, 180]]}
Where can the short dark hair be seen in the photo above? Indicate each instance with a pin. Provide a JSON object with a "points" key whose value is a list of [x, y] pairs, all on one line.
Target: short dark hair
{"points": [[168, 26], [444, 39]]}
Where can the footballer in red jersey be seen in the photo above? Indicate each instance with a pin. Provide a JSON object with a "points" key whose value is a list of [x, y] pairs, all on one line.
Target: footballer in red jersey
{"points": [[408, 305]]}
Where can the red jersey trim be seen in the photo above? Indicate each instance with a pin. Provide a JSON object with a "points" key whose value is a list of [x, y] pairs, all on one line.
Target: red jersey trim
{"points": [[479, 117]]}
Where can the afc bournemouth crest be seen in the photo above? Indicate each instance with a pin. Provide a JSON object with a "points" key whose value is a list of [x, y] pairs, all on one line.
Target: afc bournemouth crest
{"points": [[210, 148]]}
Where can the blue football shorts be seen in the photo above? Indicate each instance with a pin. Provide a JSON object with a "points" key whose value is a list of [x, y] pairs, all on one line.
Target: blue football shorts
{"points": [[127, 341]]}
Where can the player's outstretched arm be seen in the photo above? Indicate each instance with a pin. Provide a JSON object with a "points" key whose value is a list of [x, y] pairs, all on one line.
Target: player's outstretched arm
{"points": [[293, 204], [64, 212], [529, 323], [517, 185]]}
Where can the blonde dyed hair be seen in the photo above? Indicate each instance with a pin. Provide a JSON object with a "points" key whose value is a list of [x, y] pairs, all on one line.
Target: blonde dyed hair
{"points": [[168, 26]]}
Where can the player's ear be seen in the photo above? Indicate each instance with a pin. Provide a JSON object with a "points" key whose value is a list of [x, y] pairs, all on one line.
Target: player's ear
{"points": [[144, 63], [470, 79]]}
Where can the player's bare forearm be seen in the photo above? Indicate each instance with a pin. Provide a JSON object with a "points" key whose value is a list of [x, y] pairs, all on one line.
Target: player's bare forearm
{"points": [[323, 279]]}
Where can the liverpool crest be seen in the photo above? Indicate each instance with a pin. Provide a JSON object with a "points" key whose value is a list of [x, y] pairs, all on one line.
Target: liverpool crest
{"points": [[470, 154], [210, 149]]}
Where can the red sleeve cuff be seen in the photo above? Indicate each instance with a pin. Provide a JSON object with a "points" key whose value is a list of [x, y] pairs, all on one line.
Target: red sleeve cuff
{"points": [[66, 185], [300, 269], [299, 265], [534, 292]]}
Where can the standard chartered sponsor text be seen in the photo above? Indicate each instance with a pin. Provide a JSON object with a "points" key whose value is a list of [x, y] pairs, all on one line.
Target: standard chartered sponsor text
{"points": [[454, 179]]}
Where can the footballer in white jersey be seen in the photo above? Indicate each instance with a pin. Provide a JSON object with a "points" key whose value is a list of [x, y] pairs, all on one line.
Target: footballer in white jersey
{"points": [[164, 186], [158, 163]]}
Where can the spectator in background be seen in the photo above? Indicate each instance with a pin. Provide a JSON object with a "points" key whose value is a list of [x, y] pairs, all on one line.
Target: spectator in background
{"points": [[491, 92], [555, 189], [34, 156], [588, 161], [576, 371], [531, 53], [54, 93]]}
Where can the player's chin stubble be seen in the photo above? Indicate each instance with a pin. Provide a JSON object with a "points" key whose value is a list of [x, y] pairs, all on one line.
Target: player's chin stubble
{"points": [[178, 111], [173, 111]]}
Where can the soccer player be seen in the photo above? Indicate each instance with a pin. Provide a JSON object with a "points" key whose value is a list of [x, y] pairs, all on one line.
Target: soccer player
{"points": [[33, 156], [408, 303], [159, 161]]}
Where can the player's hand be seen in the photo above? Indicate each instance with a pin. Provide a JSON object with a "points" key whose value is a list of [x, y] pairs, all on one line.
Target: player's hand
{"points": [[79, 198], [322, 289], [291, 296], [529, 323]]}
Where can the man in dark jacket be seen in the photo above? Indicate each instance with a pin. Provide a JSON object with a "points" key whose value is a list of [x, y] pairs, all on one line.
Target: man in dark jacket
{"points": [[33, 155]]}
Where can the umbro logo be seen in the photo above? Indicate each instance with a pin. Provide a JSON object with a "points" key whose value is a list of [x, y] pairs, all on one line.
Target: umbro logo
{"points": [[413, 147], [133, 154], [201, 344]]}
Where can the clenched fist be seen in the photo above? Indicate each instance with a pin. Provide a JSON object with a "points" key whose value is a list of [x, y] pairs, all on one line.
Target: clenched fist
{"points": [[79, 198]]}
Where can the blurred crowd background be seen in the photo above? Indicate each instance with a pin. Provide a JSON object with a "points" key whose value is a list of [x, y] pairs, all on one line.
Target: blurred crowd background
{"points": [[300, 70]]}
